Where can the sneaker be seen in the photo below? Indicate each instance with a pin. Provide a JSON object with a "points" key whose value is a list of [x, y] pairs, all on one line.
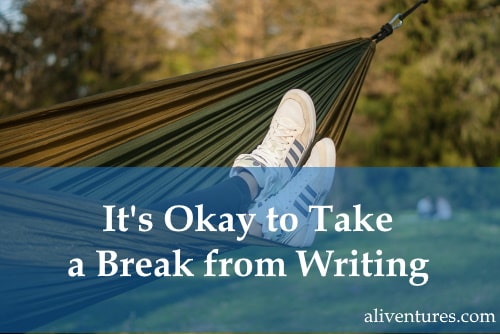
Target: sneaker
{"points": [[291, 132], [309, 187]]}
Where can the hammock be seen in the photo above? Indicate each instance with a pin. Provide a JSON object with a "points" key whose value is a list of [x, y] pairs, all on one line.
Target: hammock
{"points": [[196, 120], [201, 119]]}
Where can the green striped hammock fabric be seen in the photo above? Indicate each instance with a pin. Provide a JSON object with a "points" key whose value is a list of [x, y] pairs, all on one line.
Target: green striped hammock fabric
{"points": [[196, 120], [201, 119]]}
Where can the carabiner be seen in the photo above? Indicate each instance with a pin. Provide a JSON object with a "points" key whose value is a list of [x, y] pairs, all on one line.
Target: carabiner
{"points": [[396, 21]]}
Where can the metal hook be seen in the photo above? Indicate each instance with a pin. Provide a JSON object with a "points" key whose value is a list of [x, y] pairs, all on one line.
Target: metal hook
{"points": [[396, 21]]}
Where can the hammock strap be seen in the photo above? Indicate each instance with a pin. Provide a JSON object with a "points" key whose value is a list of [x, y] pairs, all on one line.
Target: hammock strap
{"points": [[396, 22]]}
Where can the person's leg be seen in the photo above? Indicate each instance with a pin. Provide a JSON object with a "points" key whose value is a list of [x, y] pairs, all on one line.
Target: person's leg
{"points": [[264, 171], [232, 195]]}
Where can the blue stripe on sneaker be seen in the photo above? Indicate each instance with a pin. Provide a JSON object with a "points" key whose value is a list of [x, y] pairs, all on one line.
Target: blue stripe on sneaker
{"points": [[299, 145], [311, 191], [294, 155], [306, 200], [290, 165], [303, 211]]}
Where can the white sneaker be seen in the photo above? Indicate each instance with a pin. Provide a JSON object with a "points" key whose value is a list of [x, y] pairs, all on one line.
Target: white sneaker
{"points": [[291, 132], [309, 187]]}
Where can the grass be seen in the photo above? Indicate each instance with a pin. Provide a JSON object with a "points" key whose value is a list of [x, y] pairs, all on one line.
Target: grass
{"points": [[463, 273]]}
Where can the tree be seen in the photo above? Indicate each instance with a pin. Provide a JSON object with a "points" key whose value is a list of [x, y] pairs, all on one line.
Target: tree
{"points": [[14, 52], [445, 108], [65, 49], [234, 31]]}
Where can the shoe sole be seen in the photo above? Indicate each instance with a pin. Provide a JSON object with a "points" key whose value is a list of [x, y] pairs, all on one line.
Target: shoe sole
{"points": [[327, 152]]}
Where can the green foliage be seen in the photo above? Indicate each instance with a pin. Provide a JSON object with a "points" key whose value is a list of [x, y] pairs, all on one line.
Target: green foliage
{"points": [[431, 96], [446, 109], [69, 49]]}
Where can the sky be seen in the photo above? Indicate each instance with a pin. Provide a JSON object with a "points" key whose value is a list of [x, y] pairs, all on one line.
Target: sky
{"points": [[7, 12], [5, 6], [12, 15]]}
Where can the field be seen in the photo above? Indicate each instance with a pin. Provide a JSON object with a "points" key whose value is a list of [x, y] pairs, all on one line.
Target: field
{"points": [[463, 272]]}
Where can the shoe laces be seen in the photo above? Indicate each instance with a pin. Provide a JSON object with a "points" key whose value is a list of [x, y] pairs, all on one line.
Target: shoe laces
{"points": [[276, 144]]}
